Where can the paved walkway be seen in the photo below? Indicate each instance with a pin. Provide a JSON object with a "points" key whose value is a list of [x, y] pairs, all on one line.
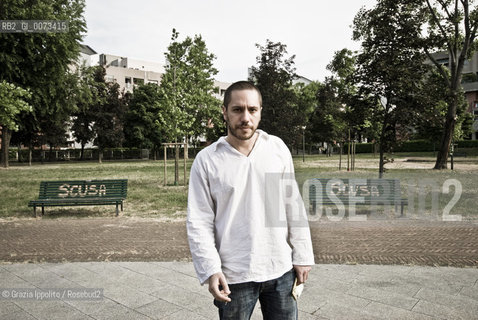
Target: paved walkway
{"points": [[85, 255], [169, 290]]}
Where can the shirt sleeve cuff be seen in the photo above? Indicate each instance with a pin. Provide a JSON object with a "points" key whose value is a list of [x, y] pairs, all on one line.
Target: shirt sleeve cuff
{"points": [[204, 278]]}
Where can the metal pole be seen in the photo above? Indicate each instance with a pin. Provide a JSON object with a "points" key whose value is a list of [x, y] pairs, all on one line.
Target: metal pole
{"points": [[451, 153], [185, 157], [348, 153], [165, 159], [176, 165], [340, 158], [303, 145]]}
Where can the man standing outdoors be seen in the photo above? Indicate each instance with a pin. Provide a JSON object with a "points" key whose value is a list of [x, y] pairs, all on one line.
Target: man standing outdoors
{"points": [[247, 242]]}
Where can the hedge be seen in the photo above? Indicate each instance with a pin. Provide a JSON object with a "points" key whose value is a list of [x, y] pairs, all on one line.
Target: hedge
{"points": [[468, 144], [413, 146]]}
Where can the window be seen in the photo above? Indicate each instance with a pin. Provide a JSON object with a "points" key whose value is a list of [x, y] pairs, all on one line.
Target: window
{"points": [[469, 77], [444, 61], [127, 81], [138, 81]]}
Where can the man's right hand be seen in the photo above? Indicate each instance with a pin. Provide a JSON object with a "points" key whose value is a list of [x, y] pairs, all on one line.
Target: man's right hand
{"points": [[215, 281]]}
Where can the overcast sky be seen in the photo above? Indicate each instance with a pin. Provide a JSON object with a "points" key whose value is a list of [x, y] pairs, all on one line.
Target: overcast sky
{"points": [[312, 30]]}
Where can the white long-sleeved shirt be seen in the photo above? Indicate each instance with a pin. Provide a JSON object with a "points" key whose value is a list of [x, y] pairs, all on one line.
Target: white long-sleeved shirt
{"points": [[245, 214]]}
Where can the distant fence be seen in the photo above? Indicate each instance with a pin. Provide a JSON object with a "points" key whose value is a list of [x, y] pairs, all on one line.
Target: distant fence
{"points": [[136, 153], [415, 146], [92, 154]]}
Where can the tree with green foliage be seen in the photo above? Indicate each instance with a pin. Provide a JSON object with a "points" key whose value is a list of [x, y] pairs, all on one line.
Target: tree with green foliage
{"points": [[273, 76], [13, 102], [142, 127], [187, 88], [327, 122], [40, 62], [358, 106], [306, 97], [431, 119], [203, 105], [108, 113], [452, 27], [86, 97], [54, 129], [340, 105], [390, 67]]}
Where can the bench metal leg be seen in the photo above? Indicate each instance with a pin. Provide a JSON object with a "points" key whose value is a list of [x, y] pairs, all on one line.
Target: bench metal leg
{"points": [[42, 210], [35, 211], [117, 209]]}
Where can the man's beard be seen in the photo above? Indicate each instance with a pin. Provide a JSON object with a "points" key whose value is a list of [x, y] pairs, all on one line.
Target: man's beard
{"points": [[235, 132]]}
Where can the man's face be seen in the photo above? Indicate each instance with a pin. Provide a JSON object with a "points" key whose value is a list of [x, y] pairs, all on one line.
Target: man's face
{"points": [[243, 114]]}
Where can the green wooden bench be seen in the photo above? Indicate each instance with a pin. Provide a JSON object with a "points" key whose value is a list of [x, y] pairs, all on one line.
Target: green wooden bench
{"points": [[80, 193], [324, 191]]}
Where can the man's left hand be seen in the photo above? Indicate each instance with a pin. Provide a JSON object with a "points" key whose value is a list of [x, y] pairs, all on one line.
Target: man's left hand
{"points": [[302, 273]]}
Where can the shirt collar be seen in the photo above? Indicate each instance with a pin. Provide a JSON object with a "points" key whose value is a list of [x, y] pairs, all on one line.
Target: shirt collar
{"points": [[222, 140]]}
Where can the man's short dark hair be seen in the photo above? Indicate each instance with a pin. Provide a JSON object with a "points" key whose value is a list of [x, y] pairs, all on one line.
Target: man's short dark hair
{"points": [[240, 85]]}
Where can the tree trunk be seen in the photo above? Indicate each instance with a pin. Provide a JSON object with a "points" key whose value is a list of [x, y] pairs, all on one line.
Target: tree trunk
{"points": [[442, 155], [82, 153], [6, 136], [382, 139], [380, 166], [100, 156], [186, 152], [30, 153], [176, 165], [19, 148], [340, 157]]}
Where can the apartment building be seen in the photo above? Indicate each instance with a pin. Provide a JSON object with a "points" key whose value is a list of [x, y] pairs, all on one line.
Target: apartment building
{"points": [[221, 89], [129, 72]]}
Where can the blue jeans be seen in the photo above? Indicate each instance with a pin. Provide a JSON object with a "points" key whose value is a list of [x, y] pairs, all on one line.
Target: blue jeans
{"points": [[274, 296]]}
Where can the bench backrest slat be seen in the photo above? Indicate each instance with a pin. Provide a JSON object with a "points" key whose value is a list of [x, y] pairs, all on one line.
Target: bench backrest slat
{"points": [[83, 189]]}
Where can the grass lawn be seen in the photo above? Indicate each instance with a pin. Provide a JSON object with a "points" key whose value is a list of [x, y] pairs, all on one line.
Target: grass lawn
{"points": [[148, 197]]}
